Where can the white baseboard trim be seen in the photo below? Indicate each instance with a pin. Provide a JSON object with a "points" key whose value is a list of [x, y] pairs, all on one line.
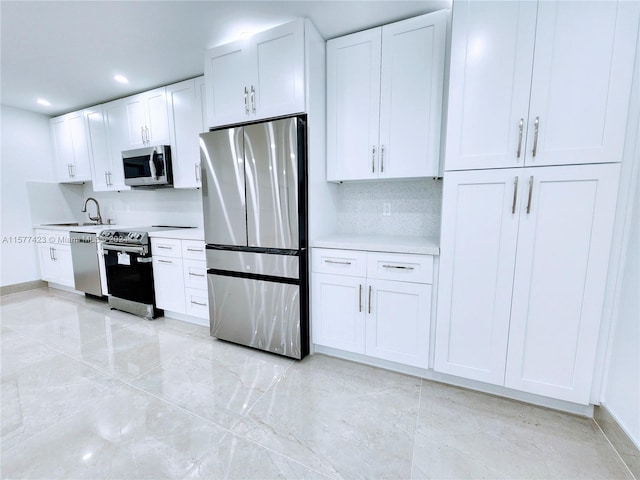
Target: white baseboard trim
{"points": [[619, 438], [22, 287], [429, 374], [203, 322]]}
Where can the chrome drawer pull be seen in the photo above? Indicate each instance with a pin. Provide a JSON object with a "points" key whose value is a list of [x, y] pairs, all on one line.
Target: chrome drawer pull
{"points": [[194, 250], [165, 248], [520, 131], [198, 303], [369, 298], [536, 126], [398, 267], [530, 192], [515, 195], [338, 263], [360, 299], [164, 261], [196, 274]]}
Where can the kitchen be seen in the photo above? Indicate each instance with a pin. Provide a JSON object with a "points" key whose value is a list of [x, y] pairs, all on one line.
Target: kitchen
{"points": [[414, 206]]}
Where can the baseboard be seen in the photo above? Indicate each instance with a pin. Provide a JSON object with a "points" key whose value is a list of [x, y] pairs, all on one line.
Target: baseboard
{"points": [[624, 445], [22, 287], [187, 318], [429, 374]]}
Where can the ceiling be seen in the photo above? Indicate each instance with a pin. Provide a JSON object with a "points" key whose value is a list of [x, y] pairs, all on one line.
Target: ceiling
{"points": [[68, 51]]}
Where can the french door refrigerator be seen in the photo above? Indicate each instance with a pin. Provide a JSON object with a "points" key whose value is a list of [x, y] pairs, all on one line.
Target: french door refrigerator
{"points": [[254, 191]]}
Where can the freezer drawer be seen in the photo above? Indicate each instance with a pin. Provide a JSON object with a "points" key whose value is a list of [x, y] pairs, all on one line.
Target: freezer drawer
{"points": [[257, 313], [275, 265]]}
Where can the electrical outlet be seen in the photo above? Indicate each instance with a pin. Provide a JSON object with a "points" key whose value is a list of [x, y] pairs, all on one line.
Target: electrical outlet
{"points": [[386, 209]]}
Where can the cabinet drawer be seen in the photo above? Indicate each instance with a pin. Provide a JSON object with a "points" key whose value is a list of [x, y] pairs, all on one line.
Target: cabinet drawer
{"points": [[197, 303], [195, 274], [339, 262], [402, 267], [193, 249], [166, 247]]}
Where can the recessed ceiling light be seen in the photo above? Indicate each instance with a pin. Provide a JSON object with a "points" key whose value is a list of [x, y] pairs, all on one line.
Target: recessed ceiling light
{"points": [[44, 102], [120, 79]]}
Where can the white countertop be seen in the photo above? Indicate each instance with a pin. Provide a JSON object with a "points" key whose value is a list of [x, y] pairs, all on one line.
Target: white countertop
{"points": [[380, 243], [180, 234]]}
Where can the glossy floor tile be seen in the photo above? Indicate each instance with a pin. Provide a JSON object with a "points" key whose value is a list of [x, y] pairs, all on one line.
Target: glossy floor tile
{"points": [[92, 393]]}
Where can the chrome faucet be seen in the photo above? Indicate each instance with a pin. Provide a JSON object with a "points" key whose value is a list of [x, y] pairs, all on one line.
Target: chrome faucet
{"points": [[84, 209]]}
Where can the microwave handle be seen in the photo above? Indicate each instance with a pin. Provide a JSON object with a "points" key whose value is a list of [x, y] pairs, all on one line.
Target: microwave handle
{"points": [[152, 164]]}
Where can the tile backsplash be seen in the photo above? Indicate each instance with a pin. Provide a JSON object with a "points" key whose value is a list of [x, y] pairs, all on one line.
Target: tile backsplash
{"points": [[414, 207]]}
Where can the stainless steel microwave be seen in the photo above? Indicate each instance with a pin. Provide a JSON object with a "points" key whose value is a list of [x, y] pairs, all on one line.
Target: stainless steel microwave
{"points": [[148, 167]]}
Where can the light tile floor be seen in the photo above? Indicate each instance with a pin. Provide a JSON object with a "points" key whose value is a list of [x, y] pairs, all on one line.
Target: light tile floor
{"points": [[92, 393]]}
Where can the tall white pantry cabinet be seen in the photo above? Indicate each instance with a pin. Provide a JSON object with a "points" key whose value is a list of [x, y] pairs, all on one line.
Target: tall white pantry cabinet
{"points": [[539, 97]]}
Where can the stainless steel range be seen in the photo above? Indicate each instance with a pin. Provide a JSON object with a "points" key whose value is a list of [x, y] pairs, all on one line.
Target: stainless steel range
{"points": [[127, 259]]}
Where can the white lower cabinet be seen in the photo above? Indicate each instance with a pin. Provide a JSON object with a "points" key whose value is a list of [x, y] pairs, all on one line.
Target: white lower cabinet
{"points": [[54, 254], [372, 303], [523, 268], [180, 276]]}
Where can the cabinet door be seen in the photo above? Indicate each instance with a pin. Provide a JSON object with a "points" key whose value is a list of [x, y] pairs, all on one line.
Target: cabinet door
{"points": [[564, 242], [48, 267], [227, 72], [135, 107], [278, 71], [338, 311], [157, 117], [353, 106], [490, 77], [99, 147], [581, 82], [398, 316], [71, 148], [477, 259], [411, 89], [168, 279], [185, 124], [115, 114], [62, 255]]}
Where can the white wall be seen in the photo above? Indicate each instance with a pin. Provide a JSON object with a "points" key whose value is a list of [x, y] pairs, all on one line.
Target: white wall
{"points": [[26, 154]]}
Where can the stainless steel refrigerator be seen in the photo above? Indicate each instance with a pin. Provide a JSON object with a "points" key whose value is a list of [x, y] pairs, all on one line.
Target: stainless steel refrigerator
{"points": [[254, 191]]}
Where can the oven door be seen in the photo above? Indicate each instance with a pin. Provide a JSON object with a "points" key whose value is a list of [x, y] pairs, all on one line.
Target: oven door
{"points": [[129, 273]]}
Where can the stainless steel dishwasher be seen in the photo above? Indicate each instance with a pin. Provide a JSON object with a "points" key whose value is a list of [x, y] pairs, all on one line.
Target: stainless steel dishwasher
{"points": [[86, 267]]}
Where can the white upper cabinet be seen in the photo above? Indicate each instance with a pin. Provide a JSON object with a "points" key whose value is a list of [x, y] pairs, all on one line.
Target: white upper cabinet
{"points": [[353, 105], [106, 171], [543, 83], [384, 100], [256, 78], [522, 276], [71, 149], [185, 124], [147, 119]]}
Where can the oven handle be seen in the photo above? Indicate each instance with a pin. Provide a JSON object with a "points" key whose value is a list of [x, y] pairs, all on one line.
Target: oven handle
{"points": [[119, 248]]}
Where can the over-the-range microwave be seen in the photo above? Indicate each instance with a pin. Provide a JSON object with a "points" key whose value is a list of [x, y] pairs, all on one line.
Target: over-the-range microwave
{"points": [[148, 167]]}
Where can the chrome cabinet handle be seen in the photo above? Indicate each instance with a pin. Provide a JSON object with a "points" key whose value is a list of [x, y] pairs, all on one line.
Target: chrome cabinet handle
{"points": [[196, 274], [536, 126], [253, 99], [246, 101], [382, 159], [51, 253], [106, 178], [520, 131], [515, 194], [337, 263], [197, 166], [198, 303], [146, 129], [373, 159], [142, 133], [69, 170], [369, 298], [164, 261], [194, 250], [400, 267], [530, 192], [73, 171], [360, 299], [165, 248]]}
